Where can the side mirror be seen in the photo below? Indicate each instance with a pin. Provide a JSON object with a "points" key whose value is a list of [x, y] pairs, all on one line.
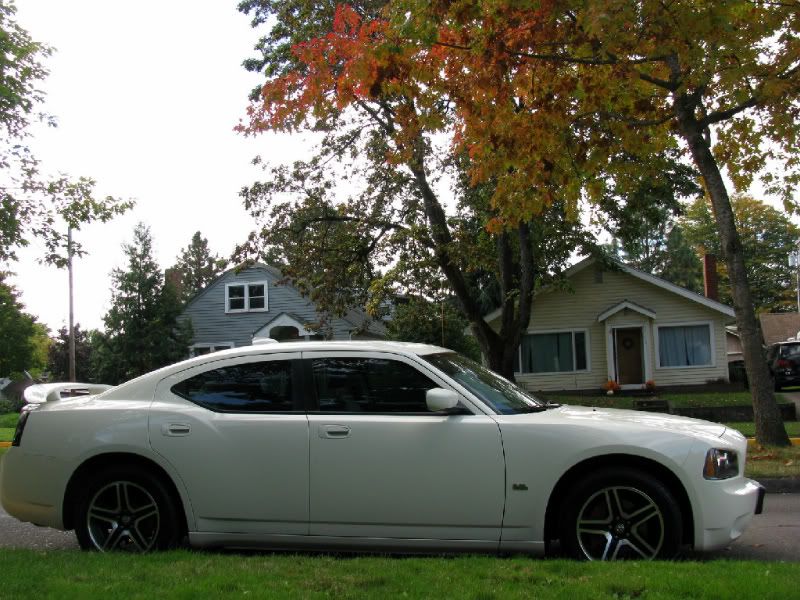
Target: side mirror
{"points": [[440, 400]]}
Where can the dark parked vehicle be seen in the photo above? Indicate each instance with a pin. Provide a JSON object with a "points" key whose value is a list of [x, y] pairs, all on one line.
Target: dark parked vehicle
{"points": [[783, 359]]}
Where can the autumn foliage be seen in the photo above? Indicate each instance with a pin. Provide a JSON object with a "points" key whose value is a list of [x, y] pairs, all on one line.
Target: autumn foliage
{"points": [[554, 99]]}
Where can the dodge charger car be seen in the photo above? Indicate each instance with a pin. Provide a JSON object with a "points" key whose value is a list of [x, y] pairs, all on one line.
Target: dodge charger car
{"points": [[368, 446]]}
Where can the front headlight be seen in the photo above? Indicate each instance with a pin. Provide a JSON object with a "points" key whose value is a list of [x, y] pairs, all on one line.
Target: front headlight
{"points": [[721, 464]]}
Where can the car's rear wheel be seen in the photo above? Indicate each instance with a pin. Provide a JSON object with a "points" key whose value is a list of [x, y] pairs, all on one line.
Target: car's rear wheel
{"points": [[126, 509], [618, 514]]}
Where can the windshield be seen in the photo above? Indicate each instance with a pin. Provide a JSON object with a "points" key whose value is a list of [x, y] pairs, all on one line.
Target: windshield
{"points": [[497, 392]]}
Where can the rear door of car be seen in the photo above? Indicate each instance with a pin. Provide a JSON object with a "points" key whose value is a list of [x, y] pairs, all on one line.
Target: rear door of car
{"points": [[382, 466], [236, 432]]}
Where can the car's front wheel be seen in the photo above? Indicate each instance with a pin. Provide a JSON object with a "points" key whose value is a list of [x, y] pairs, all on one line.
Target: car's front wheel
{"points": [[620, 513], [126, 509]]}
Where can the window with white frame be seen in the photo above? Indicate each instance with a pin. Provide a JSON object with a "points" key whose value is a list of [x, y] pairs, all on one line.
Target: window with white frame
{"points": [[553, 352], [200, 349], [246, 297], [685, 346]]}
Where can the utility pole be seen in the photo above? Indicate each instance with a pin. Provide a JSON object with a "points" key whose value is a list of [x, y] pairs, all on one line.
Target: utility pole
{"points": [[71, 309]]}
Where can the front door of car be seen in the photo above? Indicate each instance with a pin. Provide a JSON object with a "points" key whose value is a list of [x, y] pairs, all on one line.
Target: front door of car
{"points": [[236, 432], [383, 466]]}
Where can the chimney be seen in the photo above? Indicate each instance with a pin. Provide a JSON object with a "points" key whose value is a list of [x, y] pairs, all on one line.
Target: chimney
{"points": [[710, 284]]}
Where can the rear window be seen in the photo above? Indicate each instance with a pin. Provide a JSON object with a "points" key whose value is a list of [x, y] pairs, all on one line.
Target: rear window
{"points": [[790, 351]]}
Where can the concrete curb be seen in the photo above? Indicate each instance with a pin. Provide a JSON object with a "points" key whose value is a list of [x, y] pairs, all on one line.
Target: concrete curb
{"points": [[5, 444]]}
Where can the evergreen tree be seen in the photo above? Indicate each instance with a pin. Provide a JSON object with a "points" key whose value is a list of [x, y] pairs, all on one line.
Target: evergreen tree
{"points": [[142, 329], [197, 267], [58, 356], [438, 323], [18, 333], [681, 264]]}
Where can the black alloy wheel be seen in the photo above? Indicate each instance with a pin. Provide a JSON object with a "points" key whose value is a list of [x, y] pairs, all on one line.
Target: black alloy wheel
{"points": [[126, 509], [621, 514]]}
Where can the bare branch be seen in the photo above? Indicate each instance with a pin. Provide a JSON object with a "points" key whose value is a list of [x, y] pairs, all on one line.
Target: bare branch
{"points": [[722, 115]]}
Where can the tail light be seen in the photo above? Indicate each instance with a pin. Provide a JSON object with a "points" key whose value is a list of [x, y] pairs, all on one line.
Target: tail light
{"points": [[783, 363]]}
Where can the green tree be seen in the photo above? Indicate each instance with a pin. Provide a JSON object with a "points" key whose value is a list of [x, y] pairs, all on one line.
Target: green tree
{"points": [[681, 265], [437, 323], [32, 205], [21, 73], [640, 211], [58, 356], [20, 341], [767, 236], [142, 331], [197, 267]]}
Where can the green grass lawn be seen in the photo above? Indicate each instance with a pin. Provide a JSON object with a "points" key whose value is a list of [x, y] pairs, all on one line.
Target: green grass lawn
{"points": [[9, 420], [710, 399], [749, 428], [773, 462], [8, 423], [183, 574], [678, 400]]}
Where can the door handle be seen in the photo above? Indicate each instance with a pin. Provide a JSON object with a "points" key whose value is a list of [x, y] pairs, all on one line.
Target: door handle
{"points": [[334, 431], [176, 429]]}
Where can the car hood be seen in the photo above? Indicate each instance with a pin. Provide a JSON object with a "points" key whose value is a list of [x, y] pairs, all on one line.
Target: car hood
{"points": [[627, 419]]}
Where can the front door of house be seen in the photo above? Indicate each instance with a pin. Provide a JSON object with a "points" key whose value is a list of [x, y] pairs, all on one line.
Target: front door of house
{"points": [[630, 364]]}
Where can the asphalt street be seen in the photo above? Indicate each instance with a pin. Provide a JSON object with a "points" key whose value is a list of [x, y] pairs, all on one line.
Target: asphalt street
{"points": [[773, 535]]}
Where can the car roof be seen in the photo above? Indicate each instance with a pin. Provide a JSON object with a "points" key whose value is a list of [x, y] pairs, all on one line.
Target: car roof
{"points": [[141, 386]]}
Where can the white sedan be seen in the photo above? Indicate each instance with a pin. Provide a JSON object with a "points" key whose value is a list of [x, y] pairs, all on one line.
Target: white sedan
{"points": [[369, 446]]}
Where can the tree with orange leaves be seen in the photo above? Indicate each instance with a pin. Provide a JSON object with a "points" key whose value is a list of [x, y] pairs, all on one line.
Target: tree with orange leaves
{"points": [[329, 72], [548, 92]]}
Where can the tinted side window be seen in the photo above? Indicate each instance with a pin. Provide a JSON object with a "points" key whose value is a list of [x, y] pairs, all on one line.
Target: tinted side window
{"points": [[249, 387], [373, 385]]}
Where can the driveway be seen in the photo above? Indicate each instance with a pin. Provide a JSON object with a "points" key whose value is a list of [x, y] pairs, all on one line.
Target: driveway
{"points": [[773, 535]]}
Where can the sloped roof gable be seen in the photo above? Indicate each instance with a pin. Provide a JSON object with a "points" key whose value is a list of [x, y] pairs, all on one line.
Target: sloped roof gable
{"points": [[641, 275]]}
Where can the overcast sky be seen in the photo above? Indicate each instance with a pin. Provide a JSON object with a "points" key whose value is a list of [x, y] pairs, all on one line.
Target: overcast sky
{"points": [[146, 95]]}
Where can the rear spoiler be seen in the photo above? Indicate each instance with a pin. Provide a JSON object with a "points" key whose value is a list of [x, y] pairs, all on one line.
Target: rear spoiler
{"points": [[50, 392]]}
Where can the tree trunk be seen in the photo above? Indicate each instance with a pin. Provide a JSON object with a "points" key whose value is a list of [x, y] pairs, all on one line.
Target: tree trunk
{"points": [[72, 376], [769, 426], [498, 349]]}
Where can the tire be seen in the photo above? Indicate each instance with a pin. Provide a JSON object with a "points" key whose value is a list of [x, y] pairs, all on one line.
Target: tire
{"points": [[126, 509], [620, 513]]}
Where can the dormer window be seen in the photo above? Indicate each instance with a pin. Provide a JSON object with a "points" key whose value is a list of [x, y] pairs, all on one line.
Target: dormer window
{"points": [[246, 297]]}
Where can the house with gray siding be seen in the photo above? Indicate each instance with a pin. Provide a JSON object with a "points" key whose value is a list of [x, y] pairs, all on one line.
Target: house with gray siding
{"points": [[621, 325], [245, 304]]}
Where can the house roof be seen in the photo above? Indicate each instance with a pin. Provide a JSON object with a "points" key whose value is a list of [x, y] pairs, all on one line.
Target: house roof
{"points": [[779, 327], [293, 317], [651, 279], [240, 267], [355, 317], [626, 304]]}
